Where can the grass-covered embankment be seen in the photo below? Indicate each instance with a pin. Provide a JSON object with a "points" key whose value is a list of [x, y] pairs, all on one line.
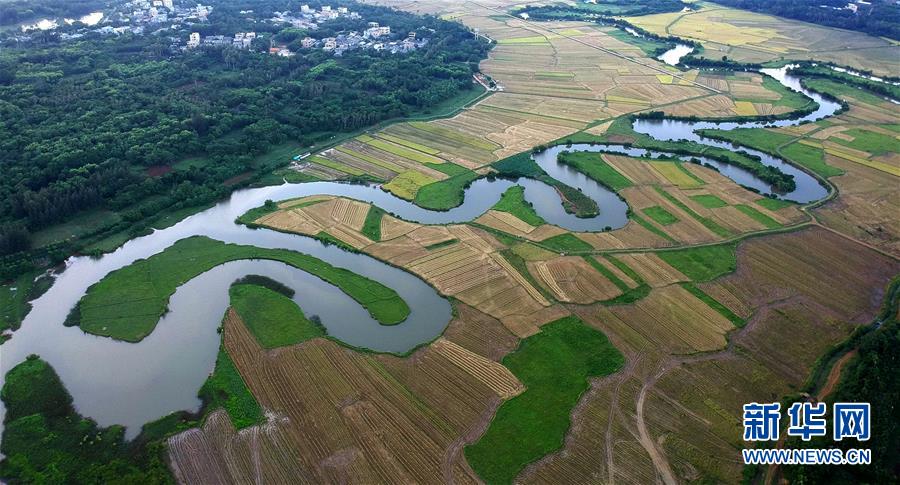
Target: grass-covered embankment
{"points": [[226, 389], [513, 202], [593, 165], [274, 319], [15, 298], [128, 302], [555, 365]]}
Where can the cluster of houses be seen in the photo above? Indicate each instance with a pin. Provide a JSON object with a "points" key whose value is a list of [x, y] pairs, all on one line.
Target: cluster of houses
{"points": [[376, 37], [140, 16], [163, 11], [310, 18], [241, 40], [371, 38]]}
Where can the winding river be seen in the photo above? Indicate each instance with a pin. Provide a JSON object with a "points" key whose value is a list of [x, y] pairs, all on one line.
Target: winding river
{"points": [[131, 384]]}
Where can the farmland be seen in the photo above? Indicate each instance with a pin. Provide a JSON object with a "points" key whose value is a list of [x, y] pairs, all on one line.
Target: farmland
{"points": [[375, 419], [856, 151], [618, 356], [554, 365], [752, 37], [623, 430]]}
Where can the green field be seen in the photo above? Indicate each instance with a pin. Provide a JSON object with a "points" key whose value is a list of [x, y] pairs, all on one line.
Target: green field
{"points": [[445, 194], [758, 216], [630, 295], [660, 215], [335, 165], [372, 226], [759, 138], [566, 243], [555, 366], [870, 141], [449, 168], [274, 319], [513, 201], [702, 263], [607, 273], [593, 165], [708, 223], [454, 135], [843, 90], [442, 244], [650, 227], [709, 201], [128, 302], [399, 150], [374, 161], [409, 144], [773, 204], [790, 98], [812, 158]]}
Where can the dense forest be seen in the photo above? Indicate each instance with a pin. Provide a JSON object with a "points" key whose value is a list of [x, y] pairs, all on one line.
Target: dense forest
{"points": [[875, 17], [99, 122]]}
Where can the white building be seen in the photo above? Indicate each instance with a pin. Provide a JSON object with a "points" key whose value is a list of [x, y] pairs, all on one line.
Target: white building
{"points": [[375, 32], [168, 4], [330, 43], [305, 9], [194, 40], [308, 42]]}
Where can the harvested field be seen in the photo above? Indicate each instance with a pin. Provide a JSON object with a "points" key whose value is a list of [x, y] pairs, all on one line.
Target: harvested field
{"points": [[468, 268], [752, 37], [370, 419], [652, 269], [407, 184], [572, 279], [493, 375]]}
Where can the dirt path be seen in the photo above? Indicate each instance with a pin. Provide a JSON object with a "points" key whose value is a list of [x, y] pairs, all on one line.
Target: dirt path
{"points": [[834, 376], [658, 457]]}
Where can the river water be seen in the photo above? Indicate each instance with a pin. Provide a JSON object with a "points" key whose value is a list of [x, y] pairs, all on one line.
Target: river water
{"points": [[131, 384]]}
